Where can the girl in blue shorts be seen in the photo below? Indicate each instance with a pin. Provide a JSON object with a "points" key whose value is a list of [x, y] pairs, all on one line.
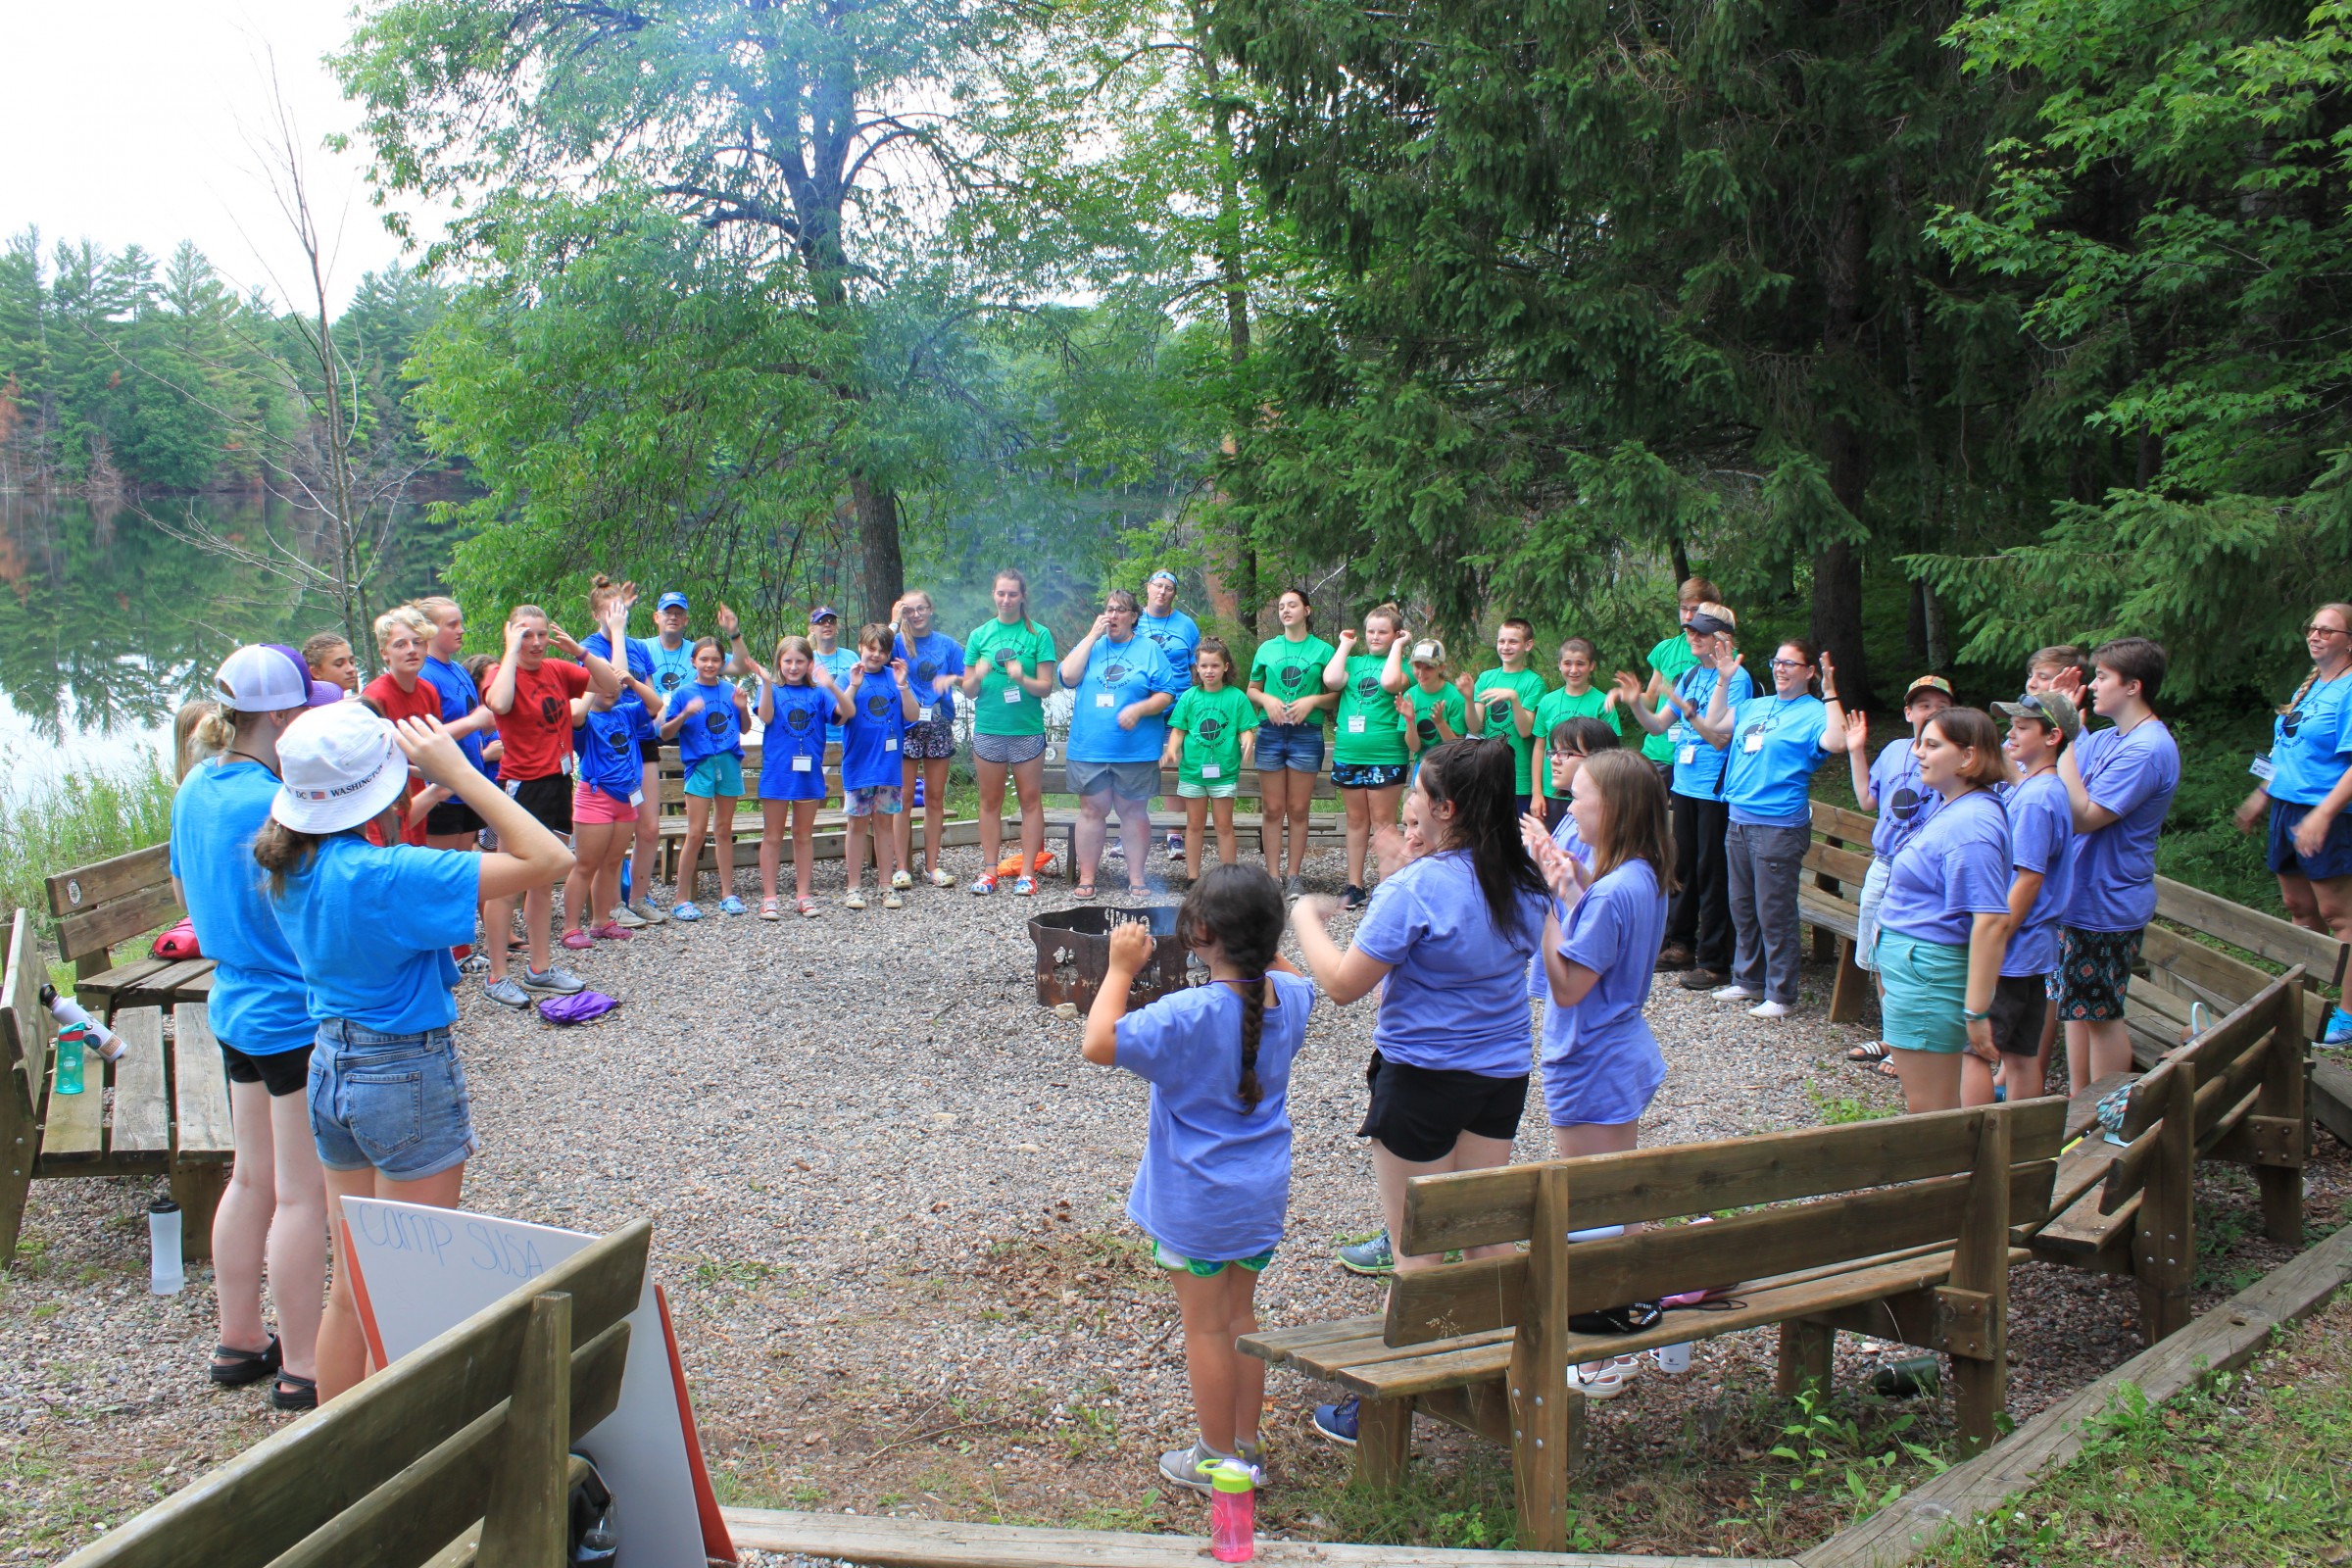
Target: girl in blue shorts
{"points": [[371, 927], [708, 717], [1216, 1178], [798, 699]]}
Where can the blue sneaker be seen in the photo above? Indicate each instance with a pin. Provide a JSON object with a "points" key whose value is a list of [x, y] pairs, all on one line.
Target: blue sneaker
{"points": [[732, 905], [1370, 1255], [2340, 1029], [687, 911], [1335, 1423]]}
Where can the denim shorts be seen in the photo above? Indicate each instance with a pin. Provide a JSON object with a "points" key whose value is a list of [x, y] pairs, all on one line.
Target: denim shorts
{"points": [[396, 1103], [1297, 748], [1866, 923]]}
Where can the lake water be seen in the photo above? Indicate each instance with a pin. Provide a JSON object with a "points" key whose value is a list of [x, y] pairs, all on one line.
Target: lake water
{"points": [[110, 624]]}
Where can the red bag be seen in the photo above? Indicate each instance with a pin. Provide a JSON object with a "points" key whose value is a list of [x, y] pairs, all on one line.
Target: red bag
{"points": [[178, 944]]}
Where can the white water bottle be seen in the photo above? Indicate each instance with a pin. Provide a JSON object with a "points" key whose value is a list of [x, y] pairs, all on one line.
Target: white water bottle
{"points": [[165, 1277]]}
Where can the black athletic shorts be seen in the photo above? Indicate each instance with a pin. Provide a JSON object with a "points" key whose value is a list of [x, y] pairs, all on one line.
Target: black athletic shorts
{"points": [[451, 816], [2020, 1002], [548, 799], [1417, 1112], [649, 749], [281, 1072]]}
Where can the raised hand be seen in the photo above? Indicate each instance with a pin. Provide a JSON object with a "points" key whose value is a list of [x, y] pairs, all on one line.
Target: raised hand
{"points": [[429, 750], [1131, 946], [727, 623], [1726, 655], [1829, 677], [564, 640], [898, 671], [819, 676], [1857, 730], [1389, 850], [1625, 687], [1405, 707], [1346, 641]]}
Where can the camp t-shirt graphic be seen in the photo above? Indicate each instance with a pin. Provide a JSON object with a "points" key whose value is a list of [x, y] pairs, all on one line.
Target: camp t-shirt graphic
{"points": [[1290, 671], [1212, 723], [1371, 732]]}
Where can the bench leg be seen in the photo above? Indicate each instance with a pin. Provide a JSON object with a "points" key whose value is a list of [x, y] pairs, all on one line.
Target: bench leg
{"points": [[197, 1190], [1852, 985], [1805, 1354], [1384, 1442], [1547, 1416]]}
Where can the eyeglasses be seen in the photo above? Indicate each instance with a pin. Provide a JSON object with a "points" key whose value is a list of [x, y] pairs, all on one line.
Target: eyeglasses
{"points": [[1789, 663], [2315, 629]]}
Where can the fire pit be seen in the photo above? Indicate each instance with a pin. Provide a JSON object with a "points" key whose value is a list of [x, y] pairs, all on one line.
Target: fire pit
{"points": [[1073, 948]]}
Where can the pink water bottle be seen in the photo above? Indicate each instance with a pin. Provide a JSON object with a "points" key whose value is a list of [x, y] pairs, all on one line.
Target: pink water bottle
{"points": [[1232, 1512]]}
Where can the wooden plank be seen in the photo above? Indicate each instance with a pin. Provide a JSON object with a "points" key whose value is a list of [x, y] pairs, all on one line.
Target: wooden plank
{"points": [[1456, 1298], [1817, 908], [162, 987], [2222, 1339], [1981, 1278], [1483, 1207], [2263, 934], [278, 1491], [94, 931], [74, 1131], [2230, 978], [1846, 866], [142, 1119], [200, 1120], [86, 887], [96, 991], [25, 1027], [1843, 822], [2331, 1097], [1548, 1418], [1274, 1345], [525, 1521], [954, 1544]]}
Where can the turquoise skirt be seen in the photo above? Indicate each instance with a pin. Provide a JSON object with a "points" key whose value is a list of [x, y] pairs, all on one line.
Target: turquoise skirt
{"points": [[1927, 989]]}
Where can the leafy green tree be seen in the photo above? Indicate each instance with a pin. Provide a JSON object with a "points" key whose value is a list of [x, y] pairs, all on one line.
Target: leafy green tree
{"points": [[2170, 227]]}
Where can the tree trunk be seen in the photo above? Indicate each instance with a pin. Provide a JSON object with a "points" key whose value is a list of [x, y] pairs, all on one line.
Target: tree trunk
{"points": [[1682, 560], [1837, 570], [1230, 572], [877, 510]]}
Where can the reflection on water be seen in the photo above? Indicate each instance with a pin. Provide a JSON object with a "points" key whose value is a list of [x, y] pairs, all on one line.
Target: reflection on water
{"points": [[108, 624]]}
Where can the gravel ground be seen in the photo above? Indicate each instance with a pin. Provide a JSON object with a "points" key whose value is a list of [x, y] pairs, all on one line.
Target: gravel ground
{"points": [[888, 1201]]}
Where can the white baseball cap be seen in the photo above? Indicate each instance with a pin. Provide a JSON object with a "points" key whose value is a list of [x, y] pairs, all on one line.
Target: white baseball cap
{"points": [[340, 767], [261, 680]]}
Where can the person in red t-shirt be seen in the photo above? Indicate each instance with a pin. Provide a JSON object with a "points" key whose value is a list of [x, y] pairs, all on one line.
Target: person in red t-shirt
{"points": [[531, 694], [401, 692]]}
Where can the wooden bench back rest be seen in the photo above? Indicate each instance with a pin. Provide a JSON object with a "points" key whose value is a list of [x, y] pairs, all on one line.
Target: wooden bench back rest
{"points": [[1923, 1168], [1840, 854], [2218, 1078], [98, 905], [477, 1423], [25, 1028]]}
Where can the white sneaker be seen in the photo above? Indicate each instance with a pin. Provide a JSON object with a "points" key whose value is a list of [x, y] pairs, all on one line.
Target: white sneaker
{"points": [[649, 912], [1770, 1009], [856, 901], [627, 919], [1733, 992]]}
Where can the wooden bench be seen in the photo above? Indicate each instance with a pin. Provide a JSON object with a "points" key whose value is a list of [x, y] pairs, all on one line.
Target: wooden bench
{"points": [[1323, 828], [1839, 858], [826, 842], [1912, 1242], [167, 1114], [95, 906], [2234, 1095], [457, 1452]]}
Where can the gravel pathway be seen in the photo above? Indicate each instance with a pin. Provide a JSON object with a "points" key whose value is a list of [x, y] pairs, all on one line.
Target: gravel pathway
{"points": [[888, 1203]]}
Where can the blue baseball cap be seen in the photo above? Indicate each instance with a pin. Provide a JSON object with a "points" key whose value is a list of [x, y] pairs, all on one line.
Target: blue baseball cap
{"points": [[672, 599], [823, 613]]}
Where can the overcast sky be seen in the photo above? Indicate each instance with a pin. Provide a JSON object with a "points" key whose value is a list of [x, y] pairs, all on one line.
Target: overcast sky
{"points": [[132, 122]]}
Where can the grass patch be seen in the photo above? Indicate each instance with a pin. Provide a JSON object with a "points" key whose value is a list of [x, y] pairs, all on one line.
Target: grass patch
{"points": [[75, 819], [1836, 1110], [2247, 1470]]}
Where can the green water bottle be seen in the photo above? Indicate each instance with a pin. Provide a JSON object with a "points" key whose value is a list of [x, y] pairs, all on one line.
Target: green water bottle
{"points": [[68, 1059]]}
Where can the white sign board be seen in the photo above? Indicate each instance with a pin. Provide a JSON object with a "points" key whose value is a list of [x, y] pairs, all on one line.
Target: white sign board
{"points": [[418, 1272]]}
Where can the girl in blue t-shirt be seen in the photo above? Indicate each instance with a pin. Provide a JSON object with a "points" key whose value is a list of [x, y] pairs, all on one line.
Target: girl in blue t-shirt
{"points": [[1214, 1182], [371, 927], [872, 735], [608, 783], [707, 718], [798, 699]]}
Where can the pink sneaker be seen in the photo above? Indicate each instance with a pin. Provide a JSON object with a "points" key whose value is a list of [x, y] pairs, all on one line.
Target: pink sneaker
{"points": [[576, 940], [610, 932]]}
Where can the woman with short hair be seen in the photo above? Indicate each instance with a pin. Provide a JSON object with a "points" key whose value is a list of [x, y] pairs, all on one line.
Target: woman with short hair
{"points": [[1117, 732]]}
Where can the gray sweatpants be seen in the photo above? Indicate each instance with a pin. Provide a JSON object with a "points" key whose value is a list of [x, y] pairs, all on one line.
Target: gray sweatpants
{"points": [[1767, 942]]}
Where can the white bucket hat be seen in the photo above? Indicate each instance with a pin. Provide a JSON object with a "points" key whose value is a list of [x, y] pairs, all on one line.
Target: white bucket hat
{"points": [[341, 768]]}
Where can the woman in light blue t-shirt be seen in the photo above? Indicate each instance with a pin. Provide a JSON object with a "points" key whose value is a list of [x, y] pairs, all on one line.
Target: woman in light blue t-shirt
{"points": [[371, 927]]}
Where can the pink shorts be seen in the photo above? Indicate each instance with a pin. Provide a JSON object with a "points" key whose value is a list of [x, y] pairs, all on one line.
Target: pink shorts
{"points": [[591, 806]]}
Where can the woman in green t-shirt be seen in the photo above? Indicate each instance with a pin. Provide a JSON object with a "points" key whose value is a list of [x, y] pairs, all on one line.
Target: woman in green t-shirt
{"points": [[1369, 757], [1285, 683], [1007, 673]]}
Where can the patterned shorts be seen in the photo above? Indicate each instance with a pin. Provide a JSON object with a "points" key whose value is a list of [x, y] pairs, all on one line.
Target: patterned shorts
{"points": [[874, 798], [2094, 969], [1011, 750], [934, 740], [1169, 1258], [1367, 775]]}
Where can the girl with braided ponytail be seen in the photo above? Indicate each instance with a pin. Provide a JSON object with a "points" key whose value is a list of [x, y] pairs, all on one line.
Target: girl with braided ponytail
{"points": [[1214, 1182]]}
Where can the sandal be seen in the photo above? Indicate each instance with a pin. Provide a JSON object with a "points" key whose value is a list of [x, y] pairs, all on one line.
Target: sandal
{"points": [[1083, 890], [1887, 1069], [770, 910], [807, 906], [1606, 1383], [1876, 1050], [243, 1367], [1143, 892], [291, 1393]]}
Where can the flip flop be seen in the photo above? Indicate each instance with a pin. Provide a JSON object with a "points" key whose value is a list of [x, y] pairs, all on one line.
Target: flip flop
{"points": [[1084, 890], [1139, 893]]}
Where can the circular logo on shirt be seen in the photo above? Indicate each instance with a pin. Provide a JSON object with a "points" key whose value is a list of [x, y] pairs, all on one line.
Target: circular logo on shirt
{"points": [[1291, 677], [669, 679], [550, 709], [715, 722], [798, 720], [926, 672], [1367, 689], [1114, 674], [617, 741], [1211, 728], [1904, 803], [1499, 713], [1756, 731], [878, 706], [1426, 727]]}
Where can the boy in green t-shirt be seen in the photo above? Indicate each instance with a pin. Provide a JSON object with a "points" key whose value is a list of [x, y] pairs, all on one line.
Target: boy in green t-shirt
{"points": [[1670, 658], [1433, 705], [1576, 698], [1213, 735], [1503, 701]]}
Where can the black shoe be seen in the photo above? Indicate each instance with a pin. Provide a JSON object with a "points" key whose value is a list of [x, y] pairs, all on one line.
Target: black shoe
{"points": [[1351, 897], [1705, 979]]}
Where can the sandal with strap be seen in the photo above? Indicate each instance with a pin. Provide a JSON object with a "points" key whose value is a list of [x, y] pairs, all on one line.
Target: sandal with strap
{"points": [[243, 1367], [291, 1393], [770, 910], [1083, 890], [807, 906], [1874, 1052]]}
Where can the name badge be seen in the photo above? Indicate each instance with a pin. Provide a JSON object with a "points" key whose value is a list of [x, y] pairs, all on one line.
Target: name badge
{"points": [[800, 764], [636, 797], [2261, 767], [1686, 756], [1754, 744], [1012, 694], [1105, 700], [1356, 723], [923, 716], [1211, 770], [890, 745]]}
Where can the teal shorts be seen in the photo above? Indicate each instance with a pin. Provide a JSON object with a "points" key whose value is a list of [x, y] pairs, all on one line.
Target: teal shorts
{"points": [[1927, 987], [715, 776], [1170, 1259], [1211, 789]]}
